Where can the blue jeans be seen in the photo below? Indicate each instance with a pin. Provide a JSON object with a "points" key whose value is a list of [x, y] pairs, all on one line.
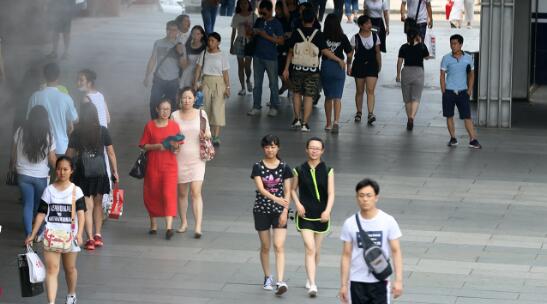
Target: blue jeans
{"points": [[351, 6], [31, 190], [227, 7], [209, 15], [163, 89], [270, 67]]}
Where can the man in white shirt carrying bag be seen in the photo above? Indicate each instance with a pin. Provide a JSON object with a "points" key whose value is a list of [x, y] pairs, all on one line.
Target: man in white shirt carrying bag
{"points": [[359, 279]]}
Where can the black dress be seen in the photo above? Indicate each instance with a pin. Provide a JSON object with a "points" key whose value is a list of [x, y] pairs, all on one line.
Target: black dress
{"points": [[313, 194]]}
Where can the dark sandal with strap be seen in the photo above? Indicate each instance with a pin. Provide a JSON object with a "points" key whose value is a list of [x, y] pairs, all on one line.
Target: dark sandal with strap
{"points": [[358, 116]]}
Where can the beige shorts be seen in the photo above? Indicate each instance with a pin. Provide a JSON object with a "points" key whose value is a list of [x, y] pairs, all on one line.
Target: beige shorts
{"points": [[214, 103]]}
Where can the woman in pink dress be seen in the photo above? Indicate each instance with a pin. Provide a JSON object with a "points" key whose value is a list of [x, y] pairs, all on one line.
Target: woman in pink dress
{"points": [[191, 168], [160, 179]]}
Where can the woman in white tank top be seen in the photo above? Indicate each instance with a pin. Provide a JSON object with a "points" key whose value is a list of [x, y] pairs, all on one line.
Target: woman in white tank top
{"points": [[86, 84]]}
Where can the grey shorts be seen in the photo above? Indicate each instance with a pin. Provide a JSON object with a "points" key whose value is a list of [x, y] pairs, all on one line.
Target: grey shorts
{"points": [[412, 83]]}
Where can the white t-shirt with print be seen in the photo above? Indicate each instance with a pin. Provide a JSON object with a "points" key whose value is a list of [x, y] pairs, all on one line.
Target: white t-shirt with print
{"points": [[381, 229], [376, 8], [368, 42], [24, 166], [411, 7], [215, 63], [59, 209]]}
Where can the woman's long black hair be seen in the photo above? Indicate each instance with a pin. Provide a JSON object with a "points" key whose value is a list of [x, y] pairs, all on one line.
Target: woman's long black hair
{"points": [[203, 39], [89, 129], [332, 29], [36, 135], [238, 9]]}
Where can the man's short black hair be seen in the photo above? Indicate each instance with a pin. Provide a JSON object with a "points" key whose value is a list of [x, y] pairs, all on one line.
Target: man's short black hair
{"points": [[457, 37], [308, 15], [181, 18], [171, 23], [51, 72], [266, 4], [314, 138], [363, 19], [368, 182]]}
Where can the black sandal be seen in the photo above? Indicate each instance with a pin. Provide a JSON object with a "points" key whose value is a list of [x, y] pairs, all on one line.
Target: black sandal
{"points": [[358, 116]]}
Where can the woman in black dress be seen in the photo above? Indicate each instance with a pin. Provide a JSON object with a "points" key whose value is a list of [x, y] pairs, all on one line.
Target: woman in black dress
{"points": [[313, 194], [87, 142]]}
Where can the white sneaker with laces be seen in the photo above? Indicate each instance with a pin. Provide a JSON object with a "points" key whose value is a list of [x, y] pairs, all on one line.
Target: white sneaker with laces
{"points": [[268, 283], [253, 112], [71, 300], [312, 291], [281, 288]]}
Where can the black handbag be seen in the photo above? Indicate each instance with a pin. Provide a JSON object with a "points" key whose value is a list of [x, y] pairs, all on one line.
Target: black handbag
{"points": [[92, 164], [28, 289], [139, 168], [11, 178]]}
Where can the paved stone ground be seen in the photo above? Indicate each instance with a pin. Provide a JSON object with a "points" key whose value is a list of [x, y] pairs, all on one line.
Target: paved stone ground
{"points": [[473, 221]]}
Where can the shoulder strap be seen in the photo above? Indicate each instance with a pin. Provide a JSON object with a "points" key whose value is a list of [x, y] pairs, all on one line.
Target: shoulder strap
{"points": [[201, 121], [367, 242], [301, 34], [313, 34], [73, 209], [418, 10]]}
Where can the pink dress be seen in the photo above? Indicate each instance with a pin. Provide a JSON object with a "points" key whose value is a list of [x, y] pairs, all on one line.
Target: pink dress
{"points": [[190, 166]]}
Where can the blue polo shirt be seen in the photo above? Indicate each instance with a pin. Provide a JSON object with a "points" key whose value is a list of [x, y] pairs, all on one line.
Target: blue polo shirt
{"points": [[456, 71], [265, 49]]}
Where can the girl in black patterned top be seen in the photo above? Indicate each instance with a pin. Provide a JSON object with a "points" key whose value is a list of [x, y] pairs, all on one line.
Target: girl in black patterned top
{"points": [[272, 178]]}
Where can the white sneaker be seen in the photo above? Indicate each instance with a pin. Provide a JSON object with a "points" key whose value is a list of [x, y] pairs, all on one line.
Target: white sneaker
{"points": [[281, 288], [312, 291], [71, 300], [305, 128], [253, 112], [242, 92], [268, 283], [272, 112], [308, 284]]}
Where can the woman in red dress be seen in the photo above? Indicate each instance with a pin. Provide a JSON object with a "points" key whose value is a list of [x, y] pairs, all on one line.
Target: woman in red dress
{"points": [[160, 180]]}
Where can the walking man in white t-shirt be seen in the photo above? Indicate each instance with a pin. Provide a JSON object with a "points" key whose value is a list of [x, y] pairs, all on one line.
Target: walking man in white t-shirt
{"points": [[358, 285]]}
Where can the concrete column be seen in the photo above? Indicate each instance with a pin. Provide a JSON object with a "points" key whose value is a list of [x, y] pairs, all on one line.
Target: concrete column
{"points": [[496, 61], [522, 50]]}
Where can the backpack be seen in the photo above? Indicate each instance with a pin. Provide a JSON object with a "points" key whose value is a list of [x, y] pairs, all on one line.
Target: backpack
{"points": [[378, 263], [92, 163], [305, 53]]}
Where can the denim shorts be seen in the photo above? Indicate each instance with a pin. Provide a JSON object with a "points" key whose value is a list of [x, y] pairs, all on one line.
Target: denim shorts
{"points": [[459, 99]]}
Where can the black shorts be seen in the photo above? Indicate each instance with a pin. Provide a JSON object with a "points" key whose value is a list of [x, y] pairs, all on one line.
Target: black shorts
{"points": [[364, 70], [459, 99], [267, 221], [369, 293]]}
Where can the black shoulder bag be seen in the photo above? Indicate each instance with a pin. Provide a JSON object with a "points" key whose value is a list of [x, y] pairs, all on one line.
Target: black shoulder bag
{"points": [[375, 258], [413, 23]]}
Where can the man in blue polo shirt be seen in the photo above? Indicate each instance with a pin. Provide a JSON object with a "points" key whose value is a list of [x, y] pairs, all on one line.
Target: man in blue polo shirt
{"points": [[457, 80]]}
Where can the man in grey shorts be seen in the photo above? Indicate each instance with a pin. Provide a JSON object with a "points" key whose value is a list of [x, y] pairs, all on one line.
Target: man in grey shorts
{"points": [[411, 77]]}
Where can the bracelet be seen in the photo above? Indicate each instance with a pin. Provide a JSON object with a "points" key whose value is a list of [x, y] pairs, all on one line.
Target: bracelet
{"points": [[227, 86]]}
